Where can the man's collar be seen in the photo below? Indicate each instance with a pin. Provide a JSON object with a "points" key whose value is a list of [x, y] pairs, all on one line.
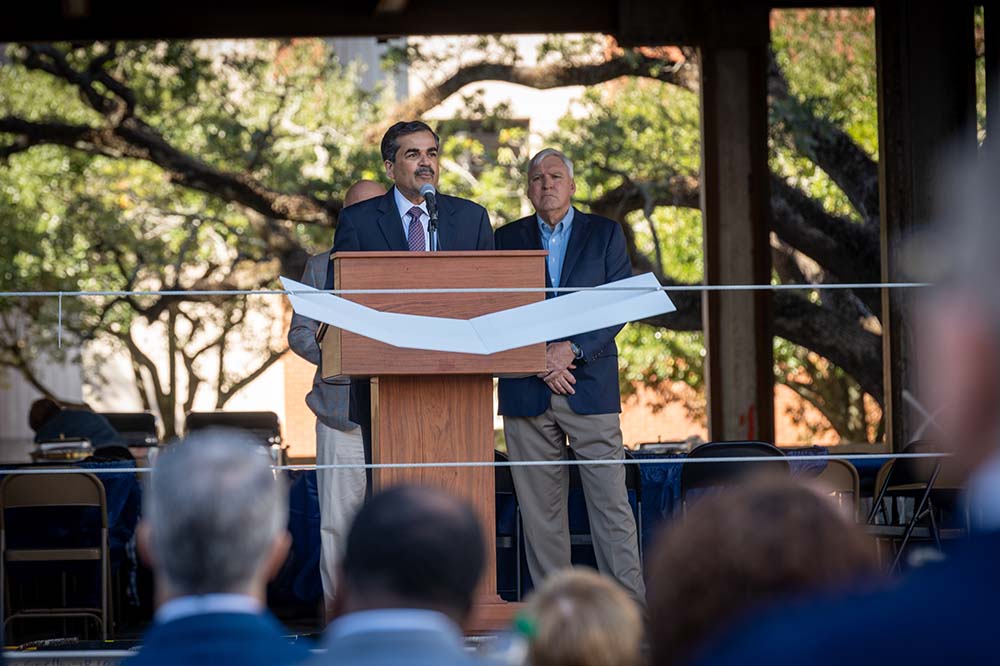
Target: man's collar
{"points": [[393, 620], [404, 205], [566, 221], [202, 604]]}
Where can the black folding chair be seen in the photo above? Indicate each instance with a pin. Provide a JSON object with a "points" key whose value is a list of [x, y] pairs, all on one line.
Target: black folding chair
{"points": [[699, 475], [264, 426], [136, 428], [932, 486]]}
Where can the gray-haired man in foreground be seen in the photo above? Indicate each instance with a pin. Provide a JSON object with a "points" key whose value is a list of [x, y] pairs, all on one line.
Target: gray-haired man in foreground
{"points": [[213, 532]]}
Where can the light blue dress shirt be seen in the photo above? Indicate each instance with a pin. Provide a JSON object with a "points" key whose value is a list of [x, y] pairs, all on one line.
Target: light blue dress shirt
{"points": [[202, 604], [555, 241]]}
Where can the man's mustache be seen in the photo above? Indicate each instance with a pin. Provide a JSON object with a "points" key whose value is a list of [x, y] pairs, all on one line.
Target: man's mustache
{"points": [[425, 171]]}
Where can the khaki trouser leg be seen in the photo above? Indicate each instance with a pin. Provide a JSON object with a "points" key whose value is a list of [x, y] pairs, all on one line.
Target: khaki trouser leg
{"points": [[612, 523], [341, 494]]}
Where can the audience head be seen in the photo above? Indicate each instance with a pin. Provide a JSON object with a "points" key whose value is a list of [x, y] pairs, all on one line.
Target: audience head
{"points": [[363, 190], [41, 412], [960, 327], [410, 155], [742, 547], [412, 547], [581, 618], [214, 516]]}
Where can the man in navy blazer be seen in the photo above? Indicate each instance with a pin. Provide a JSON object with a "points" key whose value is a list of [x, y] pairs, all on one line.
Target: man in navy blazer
{"points": [[577, 398], [213, 532], [399, 221], [944, 612]]}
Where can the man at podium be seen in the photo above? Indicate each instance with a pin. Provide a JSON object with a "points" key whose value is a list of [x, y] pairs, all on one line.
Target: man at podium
{"points": [[399, 221], [577, 398]]}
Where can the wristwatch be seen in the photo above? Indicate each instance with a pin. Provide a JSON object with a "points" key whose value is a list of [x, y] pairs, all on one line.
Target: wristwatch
{"points": [[575, 348]]}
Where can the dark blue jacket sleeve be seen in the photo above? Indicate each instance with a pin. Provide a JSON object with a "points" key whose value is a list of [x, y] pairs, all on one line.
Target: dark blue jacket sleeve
{"points": [[346, 237], [616, 267]]}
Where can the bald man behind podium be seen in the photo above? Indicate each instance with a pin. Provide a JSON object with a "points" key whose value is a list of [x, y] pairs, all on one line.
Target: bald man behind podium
{"points": [[338, 439]]}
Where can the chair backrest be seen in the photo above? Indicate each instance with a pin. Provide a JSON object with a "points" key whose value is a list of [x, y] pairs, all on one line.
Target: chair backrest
{"points": [[136, 428], [264, 425], [918, 471], [841, 477], [45, 490], [706, 475]]}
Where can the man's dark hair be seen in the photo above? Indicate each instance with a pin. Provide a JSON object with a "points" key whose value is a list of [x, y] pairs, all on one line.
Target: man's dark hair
{"points": [[390, 142], [416, 544], [42, 410]]}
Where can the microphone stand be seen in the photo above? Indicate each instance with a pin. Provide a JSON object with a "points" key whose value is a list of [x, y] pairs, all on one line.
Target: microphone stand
{"points": [[432, 229]]}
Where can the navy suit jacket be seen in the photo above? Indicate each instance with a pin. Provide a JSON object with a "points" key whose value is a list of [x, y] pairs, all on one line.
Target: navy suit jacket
{"points": [[375, 226], [220, 639], [943, 613], [595, 255]]}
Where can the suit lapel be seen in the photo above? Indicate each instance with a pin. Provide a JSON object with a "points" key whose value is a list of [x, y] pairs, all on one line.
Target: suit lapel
{"points": [[577, 240], [447, 226], [390, 223]]}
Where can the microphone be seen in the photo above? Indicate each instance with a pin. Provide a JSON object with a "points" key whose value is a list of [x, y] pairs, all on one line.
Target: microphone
{"points": [[429, 194]]}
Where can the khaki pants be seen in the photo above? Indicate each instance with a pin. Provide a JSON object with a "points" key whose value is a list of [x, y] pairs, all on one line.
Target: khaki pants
{"points": [[341, 494], [543, 492]]}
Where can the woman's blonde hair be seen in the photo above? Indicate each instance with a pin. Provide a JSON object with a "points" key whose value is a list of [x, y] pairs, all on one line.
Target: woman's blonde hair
{"points": [[580, 618]]}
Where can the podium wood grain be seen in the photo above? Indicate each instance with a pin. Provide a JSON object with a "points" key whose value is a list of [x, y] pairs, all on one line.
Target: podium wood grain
{"points": [[432, 407]]}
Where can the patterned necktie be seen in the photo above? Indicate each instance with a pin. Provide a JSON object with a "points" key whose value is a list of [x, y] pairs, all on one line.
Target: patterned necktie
{"points": [[415, 232]]}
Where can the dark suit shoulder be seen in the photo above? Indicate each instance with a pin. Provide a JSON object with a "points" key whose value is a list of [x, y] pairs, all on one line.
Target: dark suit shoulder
{"points": [[523, 224], [462, 206], [364, 208], [599, 221]]}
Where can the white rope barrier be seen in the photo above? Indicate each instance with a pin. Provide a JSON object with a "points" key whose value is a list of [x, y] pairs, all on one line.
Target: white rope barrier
{"points": [[473, 290], [679, 460]]}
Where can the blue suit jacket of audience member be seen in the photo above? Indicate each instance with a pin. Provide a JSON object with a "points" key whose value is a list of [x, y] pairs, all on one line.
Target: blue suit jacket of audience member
{"points": [[595, 255], [220, 639], [943, 613], [375, 226]]}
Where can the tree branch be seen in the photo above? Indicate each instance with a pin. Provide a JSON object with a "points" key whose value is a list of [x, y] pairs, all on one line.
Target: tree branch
{"points": [[136, 140], [828, 146], [682, 72]]}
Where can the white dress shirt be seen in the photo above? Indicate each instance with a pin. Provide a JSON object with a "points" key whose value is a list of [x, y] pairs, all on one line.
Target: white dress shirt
{"points": [[202, 604], [404, 205]]}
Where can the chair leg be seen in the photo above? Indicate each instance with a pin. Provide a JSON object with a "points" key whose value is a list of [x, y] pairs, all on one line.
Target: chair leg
{"points": [[917, 510]]}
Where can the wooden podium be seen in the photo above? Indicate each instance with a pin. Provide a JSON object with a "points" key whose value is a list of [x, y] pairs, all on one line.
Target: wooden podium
{"points": [[430, 406]]}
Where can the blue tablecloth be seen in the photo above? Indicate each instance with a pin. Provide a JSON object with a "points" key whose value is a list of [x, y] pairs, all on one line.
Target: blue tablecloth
{"points": [[299, 579]]}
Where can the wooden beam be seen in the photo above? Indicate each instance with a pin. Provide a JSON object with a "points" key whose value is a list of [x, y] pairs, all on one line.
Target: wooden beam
{"points": [[735, 177], [926, 113]]}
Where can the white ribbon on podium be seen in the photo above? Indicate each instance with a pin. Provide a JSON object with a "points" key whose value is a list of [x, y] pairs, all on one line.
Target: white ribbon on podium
{"points": [[551, 319]]}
